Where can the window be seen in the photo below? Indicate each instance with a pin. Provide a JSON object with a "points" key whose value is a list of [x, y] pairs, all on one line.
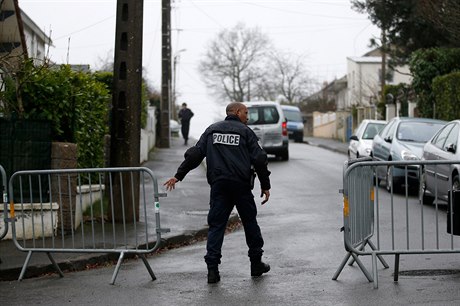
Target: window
{"points": [[389, 75], [372, 129], [263, 115], [452, 139], [440, 139]]}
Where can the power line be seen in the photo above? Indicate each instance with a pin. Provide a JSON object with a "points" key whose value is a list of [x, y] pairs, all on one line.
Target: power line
{"points": [[85, 28]]}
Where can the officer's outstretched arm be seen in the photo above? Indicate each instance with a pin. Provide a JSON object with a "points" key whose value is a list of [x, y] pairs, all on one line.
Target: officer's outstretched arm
{"points": [[193, 158]]}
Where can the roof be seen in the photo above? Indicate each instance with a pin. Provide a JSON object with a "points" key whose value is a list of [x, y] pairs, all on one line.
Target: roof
{"points": [[290, 107], [366, 59]]}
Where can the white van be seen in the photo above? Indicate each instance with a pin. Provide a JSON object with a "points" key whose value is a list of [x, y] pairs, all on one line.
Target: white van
{"points": [[267, 120]]}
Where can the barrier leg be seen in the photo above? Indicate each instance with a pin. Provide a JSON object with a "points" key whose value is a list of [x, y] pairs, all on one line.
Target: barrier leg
{"points": [[55, 264], [117, 268], [361, 248], [380, 257], [24, 267], [146, 263], [374, 270], [396, 273], [362, 267], [339, 270]]}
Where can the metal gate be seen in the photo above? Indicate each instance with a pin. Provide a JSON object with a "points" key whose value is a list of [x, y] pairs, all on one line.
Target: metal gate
{"points": [[107, 210], [398, 223]]}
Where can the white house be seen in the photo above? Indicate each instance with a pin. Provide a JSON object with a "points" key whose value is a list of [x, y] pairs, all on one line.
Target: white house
{"points": [[358, 90], [10, 34], [364, 79]]}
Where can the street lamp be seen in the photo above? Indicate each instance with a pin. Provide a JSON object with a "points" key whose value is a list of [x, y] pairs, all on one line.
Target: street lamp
{"points": [[175, 63]]}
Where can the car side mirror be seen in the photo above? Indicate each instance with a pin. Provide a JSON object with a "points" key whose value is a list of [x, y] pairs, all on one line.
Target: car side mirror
{"points": [[354, 137], [388, 139], [451, 148]]}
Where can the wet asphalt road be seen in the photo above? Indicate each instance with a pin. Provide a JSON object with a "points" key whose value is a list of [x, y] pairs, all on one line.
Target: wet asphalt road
{"points": [[303, 245]]}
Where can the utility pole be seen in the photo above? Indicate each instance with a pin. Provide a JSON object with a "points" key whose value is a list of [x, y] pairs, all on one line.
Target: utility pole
{"points": [[126, 101], [165, 73], [384, 63], [17, 10]]}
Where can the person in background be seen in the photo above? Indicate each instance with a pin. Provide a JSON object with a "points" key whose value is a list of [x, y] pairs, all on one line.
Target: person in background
{"points": [[233, 157], [185, 114]]}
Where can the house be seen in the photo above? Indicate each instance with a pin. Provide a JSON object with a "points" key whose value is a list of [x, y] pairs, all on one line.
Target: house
{"points": [[356, 94], [14, 31]]}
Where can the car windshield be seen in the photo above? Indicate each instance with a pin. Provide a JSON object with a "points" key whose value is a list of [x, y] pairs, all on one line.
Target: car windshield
{"points": [[372, 129], [292, 115], [262, 115], [417, 131]]}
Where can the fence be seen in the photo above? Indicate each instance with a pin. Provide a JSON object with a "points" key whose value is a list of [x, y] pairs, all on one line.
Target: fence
{"points": [[4, 213], [398, 223], [107, 210]]}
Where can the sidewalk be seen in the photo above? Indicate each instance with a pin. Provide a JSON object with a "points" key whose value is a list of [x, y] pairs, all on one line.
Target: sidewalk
{"points": [[328, 143], [186, 219]]}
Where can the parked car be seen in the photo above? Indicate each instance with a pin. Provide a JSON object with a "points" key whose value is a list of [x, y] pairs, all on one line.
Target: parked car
{"points": [[295, 123], [400, 140], [174, 127], [361, 142], [439, 179], [267, 120]]}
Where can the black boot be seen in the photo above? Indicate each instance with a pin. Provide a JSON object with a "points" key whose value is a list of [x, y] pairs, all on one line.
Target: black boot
{"points": [[258, 268], [213, 275]]}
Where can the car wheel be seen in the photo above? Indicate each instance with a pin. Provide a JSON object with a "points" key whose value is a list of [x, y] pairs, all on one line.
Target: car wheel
{"points": [[298, 138], [456, 183], [427, 199], [285, 155]]}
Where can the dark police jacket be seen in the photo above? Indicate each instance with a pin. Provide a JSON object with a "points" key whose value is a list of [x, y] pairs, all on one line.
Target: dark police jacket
{"points": [[230, 148]]}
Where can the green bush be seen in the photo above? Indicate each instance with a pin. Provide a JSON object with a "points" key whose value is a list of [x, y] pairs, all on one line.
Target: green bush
{"points": [[75, 102], [427, 64], [446, 90]]}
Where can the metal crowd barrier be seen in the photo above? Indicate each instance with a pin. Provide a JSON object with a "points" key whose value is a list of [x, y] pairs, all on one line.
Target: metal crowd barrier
{"points": [[4, 212], [398, 223], [106, 210]]}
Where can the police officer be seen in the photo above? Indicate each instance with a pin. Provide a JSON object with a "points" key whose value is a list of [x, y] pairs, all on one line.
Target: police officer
{"points": [[232, 155]]}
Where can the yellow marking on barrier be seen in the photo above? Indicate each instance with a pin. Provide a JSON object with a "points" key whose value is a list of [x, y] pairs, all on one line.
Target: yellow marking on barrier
{"points": [[346, 208], [12, 209], [372, 194]]}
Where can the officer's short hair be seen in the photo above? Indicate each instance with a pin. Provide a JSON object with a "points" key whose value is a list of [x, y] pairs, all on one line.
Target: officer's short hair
{"points": [[233, 107]]}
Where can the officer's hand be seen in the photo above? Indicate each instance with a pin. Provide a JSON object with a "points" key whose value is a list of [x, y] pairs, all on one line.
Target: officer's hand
{"points": [[171, 183], [267, 196]]}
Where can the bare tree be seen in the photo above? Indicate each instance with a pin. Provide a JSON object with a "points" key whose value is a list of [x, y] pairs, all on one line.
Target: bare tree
{"points": [[286, 78], [233, 62], [445, 15]]}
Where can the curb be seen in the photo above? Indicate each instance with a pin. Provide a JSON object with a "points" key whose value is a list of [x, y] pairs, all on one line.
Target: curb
{"points": [[89, 261]]}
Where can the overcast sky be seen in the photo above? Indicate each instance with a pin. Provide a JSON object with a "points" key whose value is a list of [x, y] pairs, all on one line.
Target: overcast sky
{"points": [[325, 31]]}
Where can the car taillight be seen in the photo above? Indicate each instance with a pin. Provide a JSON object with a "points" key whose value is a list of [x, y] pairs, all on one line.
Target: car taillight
{"points": [[284, 128]]}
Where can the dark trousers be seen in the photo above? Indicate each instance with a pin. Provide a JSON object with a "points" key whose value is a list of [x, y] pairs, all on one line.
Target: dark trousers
{"points": [[224, 196], [185, 129]]}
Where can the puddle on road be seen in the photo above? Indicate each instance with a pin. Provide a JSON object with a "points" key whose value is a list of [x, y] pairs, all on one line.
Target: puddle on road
{"points": [[426, 272]]}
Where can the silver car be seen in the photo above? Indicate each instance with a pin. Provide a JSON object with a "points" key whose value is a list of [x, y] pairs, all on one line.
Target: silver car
{"points": [[266, 119], [439, 179], [403, 139]]}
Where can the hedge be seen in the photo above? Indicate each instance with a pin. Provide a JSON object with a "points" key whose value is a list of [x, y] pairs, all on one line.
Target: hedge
{"points": [[446, 90]]}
